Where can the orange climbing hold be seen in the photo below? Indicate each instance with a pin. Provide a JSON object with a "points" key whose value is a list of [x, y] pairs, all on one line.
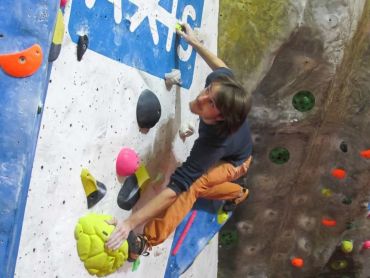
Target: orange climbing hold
{"points": [[328, 222], [365, 154], [297, 262], [338, 173], [23, 63]]}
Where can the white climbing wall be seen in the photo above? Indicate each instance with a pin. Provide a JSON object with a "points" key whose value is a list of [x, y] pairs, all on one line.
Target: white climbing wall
{"points": [[89, 115]]}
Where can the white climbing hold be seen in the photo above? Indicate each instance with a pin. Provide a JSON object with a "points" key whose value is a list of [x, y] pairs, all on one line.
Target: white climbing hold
{"points": [[186, 130], [173, 78]]}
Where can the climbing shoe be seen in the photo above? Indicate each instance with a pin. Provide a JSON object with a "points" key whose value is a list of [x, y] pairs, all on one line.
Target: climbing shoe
{"points": [[138, 245]]}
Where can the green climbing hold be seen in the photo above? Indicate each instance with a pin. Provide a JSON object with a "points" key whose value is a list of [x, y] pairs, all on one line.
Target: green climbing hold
{"points": [[228, 238], [303, 101], [279, 155], [339, 264]]}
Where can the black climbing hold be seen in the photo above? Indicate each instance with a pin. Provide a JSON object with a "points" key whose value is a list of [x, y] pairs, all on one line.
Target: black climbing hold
{"points": [[129, 193], [279, 155], [303, 101], [148, 109], [343, 147], [54, 52], [83, 43], [347, 201], [97, 195]]}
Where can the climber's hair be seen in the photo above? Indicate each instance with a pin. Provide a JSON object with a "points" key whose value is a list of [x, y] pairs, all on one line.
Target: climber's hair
{"points": [[234, 103]]}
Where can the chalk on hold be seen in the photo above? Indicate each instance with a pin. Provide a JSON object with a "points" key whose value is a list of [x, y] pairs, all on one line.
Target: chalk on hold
{"points": [[297, 262], [365, 154], [172, 78], [23, 63], [328, 222], [83, 43], [186, 130], [127, 162], [338, 173], [148, 110]]}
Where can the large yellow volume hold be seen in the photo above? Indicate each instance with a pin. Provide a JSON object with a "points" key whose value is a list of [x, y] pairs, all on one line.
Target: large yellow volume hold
{"points": [[91, 233]]}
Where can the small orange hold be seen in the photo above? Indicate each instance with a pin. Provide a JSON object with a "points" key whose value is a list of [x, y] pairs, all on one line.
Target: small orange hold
{"points": [[365, 154], [338, 173], [297, 262], [328, 222], [23, 63]]}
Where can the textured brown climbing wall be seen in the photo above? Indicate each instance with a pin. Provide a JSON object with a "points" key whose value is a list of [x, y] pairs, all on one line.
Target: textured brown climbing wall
{"points": [[321, 47]]}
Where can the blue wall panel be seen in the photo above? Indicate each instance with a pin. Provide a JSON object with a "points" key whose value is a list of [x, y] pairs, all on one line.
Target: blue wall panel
{"points": [[139, 33], [23, 23]]}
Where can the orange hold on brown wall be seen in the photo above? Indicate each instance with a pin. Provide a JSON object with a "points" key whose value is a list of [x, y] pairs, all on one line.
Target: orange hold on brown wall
{"points": [[365, 154], [338, 173]]}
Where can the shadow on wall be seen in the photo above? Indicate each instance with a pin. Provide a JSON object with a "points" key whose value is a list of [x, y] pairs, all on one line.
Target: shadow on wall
{"points": [[160, 160]]}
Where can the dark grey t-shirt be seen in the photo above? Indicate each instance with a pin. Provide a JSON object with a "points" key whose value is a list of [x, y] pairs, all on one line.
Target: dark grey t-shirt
{"points": [[210, 148]]}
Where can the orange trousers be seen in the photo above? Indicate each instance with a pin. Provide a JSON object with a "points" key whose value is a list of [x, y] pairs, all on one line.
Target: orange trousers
{"points": [[215, 184]]}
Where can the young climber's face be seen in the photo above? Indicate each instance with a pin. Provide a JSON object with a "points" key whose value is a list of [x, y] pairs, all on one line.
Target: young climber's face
{"points": [[204, 105]]}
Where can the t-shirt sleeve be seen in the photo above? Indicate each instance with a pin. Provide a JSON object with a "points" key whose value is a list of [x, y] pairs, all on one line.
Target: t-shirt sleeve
{"points": [[202, 156], [218, 72]]}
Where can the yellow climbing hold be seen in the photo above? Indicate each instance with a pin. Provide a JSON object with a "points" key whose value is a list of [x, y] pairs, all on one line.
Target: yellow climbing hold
{"points": [[326, 192], [346, 246], [222, 216], [178, 27], [59, 29], [91, 232], [142, 175], [88, 182]]}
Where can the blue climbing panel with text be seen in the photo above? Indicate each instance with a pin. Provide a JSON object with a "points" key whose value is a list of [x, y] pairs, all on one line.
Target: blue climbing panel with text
{"points": [[139, 33]]}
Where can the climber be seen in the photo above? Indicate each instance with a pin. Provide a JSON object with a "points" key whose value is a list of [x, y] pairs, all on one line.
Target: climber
{"points": [[220, 155]]}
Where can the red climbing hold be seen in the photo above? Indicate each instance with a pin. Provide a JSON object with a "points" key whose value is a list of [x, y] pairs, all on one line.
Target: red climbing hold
{"points": [[338, 173], [23, 63], [365, 154], [297, 262], [328, 222]]}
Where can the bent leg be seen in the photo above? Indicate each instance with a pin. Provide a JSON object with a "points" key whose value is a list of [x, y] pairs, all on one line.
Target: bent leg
{"points": [[160, 228], [226, 191], [215, 184]]}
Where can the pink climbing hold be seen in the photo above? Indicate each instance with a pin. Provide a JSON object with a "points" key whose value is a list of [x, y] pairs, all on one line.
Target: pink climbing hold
{"points": [[366, 245], [63, 3], [127, 162]]}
